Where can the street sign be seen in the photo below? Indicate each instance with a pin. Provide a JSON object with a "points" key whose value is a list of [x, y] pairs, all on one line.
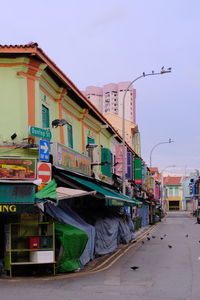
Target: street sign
{"points": [[40, 132], [44, 172], [44, 147]]}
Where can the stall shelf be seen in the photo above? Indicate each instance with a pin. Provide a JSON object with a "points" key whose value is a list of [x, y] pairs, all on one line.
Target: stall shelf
{"points": [[29, 243]]}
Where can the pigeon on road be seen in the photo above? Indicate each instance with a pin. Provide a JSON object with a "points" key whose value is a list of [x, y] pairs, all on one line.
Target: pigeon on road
{"points": [[153, 236], [161, 238], [148, 238], [186, 235], [170, 246], [134, 268]]}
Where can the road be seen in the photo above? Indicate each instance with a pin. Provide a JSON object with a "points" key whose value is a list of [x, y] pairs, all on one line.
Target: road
{"points": [[164, 273]]}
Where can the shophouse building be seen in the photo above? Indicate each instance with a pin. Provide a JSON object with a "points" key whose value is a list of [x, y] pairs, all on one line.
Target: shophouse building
{"points": [[173, 192], [49, 129]]}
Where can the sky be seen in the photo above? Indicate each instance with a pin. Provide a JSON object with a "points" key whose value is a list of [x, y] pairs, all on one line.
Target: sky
{"points": [[109, 41]]}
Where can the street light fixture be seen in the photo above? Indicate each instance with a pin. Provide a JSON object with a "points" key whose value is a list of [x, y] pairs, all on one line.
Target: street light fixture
{"points": [[162, 71], [168, 142]]}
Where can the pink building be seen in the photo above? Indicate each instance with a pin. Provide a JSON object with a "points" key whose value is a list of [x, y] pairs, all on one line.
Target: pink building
{"points": [[109, 99]]}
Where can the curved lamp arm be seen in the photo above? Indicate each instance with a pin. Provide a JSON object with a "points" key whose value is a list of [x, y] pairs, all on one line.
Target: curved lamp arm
{"points": [[163, 71], [170, 141]]}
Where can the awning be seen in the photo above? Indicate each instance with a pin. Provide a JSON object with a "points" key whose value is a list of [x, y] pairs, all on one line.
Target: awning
{"points": [[106, 192], [17, 193], [65, 193]]}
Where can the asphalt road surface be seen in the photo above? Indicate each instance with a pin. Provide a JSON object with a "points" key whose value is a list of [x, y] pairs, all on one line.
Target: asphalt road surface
{"points": [[164, 273]]}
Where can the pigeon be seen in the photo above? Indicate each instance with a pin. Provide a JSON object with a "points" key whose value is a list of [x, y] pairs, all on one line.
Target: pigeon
{"points": [[161, 238], [199, 241], [148, 238], [170, 246], [153, 236], [142, 242], [165, 235], [147, 233], [186, 235], [134, 268], [144, 74]]}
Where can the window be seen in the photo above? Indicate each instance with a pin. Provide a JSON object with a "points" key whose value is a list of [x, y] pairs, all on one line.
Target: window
{"points": [[70, 135], [45, 117], [176, 192], [171, 192]]}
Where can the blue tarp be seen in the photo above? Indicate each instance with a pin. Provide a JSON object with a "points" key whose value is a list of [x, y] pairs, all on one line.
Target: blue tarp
{"points": [[63, 214], [106, 235], [109, 233], [125, 235], [144, 213]]}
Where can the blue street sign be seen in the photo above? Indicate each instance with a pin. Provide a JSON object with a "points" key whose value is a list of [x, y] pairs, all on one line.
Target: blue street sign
{"points": [[44, 148]]}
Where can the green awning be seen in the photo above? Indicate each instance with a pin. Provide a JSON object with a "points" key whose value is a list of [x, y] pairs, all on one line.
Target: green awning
{"points": [[106, 192], [17, 193], [138, 201]]}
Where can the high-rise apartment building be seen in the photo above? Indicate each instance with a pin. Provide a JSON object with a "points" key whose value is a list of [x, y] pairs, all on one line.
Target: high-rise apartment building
{"points": [[109, 99]]}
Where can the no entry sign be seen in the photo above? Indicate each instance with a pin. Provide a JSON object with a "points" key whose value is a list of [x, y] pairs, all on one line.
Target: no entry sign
{"points": [[44, 172]]}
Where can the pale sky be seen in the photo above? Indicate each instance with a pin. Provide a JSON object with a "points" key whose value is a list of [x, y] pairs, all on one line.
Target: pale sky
{"points": [[99, 42]]}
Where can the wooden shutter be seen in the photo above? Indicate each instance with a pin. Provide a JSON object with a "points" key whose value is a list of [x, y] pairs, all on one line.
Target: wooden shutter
{"points": [[70, 135], [45, 117], [106, 157]]}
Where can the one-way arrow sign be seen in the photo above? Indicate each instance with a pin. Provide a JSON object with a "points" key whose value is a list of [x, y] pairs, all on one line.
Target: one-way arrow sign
{"points": [[44, 150]]}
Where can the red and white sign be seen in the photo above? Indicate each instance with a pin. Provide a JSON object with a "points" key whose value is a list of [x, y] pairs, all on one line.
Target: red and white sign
{"points": [[119, 158], [44, 172]]}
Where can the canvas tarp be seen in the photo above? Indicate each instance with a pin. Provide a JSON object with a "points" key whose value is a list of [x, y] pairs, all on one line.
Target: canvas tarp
{"points": [[144, 213], [64, 214], [125, 235], [49, 191], [109, 233], [106, 235], [73, 241]]}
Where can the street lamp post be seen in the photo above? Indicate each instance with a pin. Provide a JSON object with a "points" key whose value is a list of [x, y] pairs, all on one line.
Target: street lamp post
{"points": [[163, 71], [168, 142]]}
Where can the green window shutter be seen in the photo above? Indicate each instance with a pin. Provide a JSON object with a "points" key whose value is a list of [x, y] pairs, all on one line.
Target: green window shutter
{"points": [[70, 136], [45, 117], [106, 157], [90, 141]]}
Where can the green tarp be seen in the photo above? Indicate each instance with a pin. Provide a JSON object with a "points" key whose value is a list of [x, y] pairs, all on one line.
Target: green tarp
{"points": [[49, 191], [73, 241]]}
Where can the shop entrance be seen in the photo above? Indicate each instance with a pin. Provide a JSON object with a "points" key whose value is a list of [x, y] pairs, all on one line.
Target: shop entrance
{"points": [[2, 238], [174, 205]]}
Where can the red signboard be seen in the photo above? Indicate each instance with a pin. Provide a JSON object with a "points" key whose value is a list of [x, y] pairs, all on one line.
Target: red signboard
{"points": [[19, 168], [44, 172], [119, 158]]}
